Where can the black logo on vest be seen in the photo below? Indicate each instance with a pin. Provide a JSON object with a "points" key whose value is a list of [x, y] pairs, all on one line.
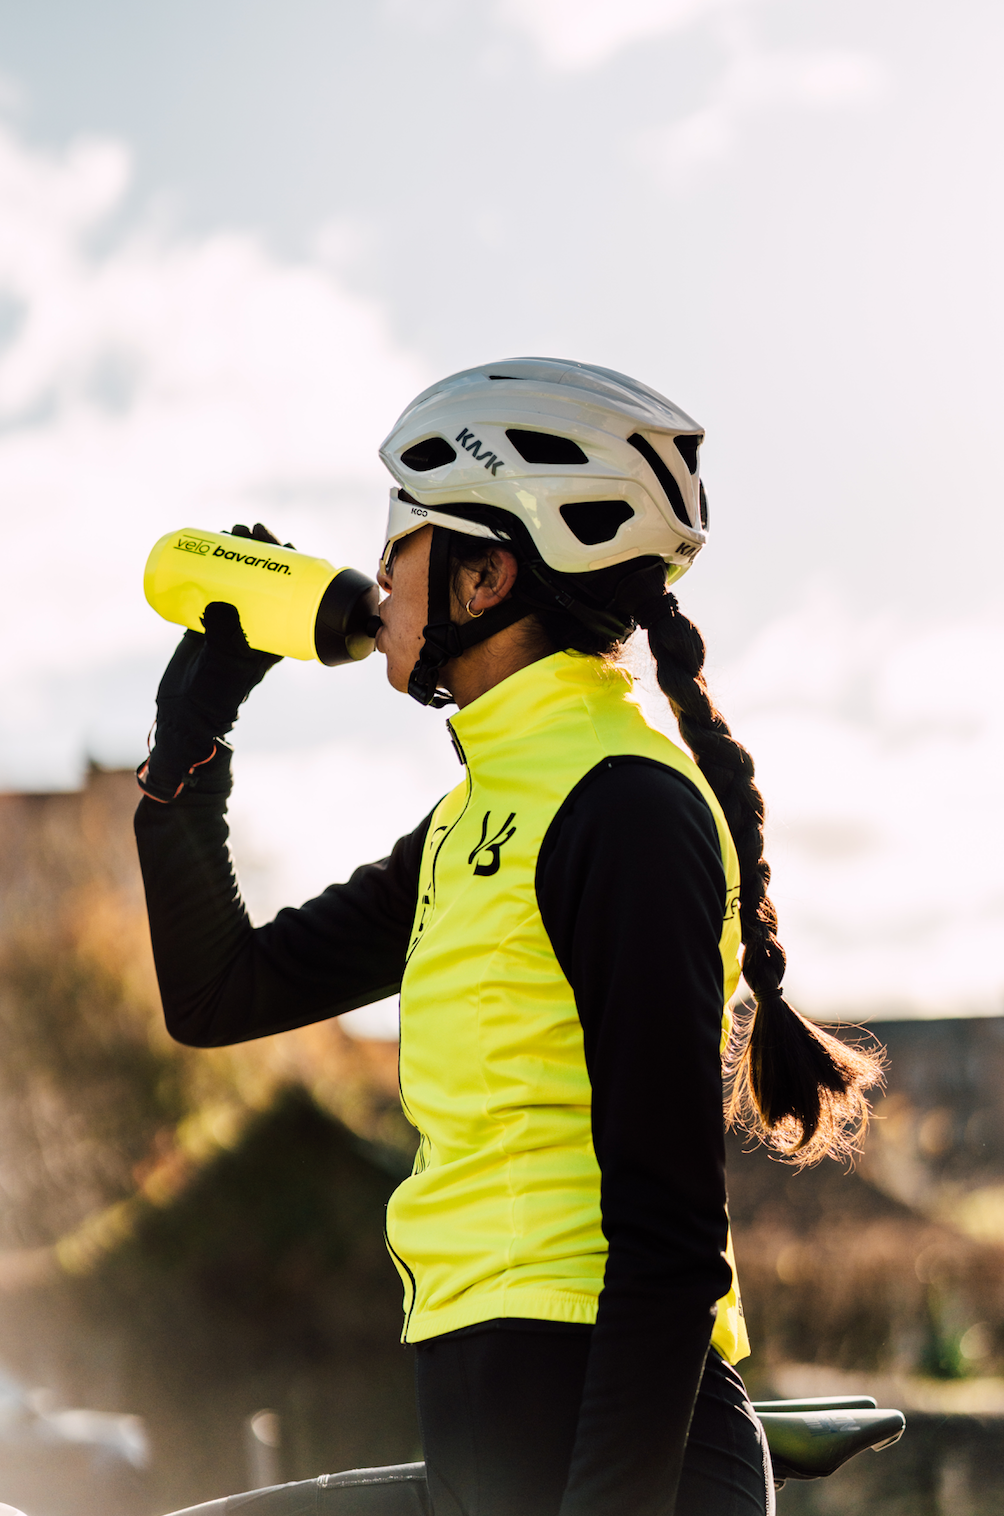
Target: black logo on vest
{"points": [[490, 847]]}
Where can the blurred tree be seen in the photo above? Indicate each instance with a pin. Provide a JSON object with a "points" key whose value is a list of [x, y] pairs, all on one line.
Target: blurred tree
{"points": [[86, 1094]]}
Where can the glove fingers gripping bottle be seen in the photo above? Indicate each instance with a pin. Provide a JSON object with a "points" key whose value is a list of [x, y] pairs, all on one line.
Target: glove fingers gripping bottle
{"points": [[289, 603]]}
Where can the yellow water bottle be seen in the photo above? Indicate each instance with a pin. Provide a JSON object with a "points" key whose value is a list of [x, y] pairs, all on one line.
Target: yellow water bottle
{"points": [[289, 603]]}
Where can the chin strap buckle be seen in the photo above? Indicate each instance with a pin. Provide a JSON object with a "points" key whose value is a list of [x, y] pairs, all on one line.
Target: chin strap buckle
{"points": [[423, 686], [442, 643]]}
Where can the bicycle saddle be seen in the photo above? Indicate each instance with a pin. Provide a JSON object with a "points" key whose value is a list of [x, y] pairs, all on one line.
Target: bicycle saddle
{"points": [[809, 1439]]}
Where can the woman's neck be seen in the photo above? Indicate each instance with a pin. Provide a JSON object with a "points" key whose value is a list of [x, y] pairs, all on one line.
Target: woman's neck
{"points": [[482, 667]]}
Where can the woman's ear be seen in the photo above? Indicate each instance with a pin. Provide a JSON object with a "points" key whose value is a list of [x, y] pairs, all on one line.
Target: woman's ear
{"points": [[495, 580]]}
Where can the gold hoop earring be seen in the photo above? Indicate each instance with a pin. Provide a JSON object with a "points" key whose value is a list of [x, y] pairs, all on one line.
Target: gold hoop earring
{"points": [[474, 615]]}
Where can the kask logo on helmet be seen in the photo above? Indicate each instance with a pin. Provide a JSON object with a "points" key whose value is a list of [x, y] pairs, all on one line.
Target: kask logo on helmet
{"points": [[473, 446]]}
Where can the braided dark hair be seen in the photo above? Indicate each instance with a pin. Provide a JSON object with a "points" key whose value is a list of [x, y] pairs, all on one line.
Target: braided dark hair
{"points": [[791, 1082]]}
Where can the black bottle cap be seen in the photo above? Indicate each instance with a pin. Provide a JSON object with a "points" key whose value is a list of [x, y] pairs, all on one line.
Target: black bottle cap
{"points": [[344, 618]]}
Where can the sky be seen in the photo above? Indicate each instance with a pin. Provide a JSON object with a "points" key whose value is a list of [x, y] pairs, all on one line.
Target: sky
{"points": [[237, 237]]}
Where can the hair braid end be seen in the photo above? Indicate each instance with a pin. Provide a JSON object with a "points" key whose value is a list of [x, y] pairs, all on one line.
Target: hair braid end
{"points": [[797, 1087]]}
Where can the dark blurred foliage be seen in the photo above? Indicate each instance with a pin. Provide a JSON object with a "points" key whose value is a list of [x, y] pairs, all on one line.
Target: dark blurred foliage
{"points": [[259, 1231], [943, 1121], [835, 1271], [263, 1282], [84, 1092], [86, 1082], [897, 1265]]}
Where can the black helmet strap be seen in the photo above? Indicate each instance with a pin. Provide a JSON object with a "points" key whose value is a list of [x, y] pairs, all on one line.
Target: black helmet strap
{"points": [[444, 639]]}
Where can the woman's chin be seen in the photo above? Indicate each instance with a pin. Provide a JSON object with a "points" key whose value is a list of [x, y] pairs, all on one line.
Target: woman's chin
{"points": [[397, 677]]}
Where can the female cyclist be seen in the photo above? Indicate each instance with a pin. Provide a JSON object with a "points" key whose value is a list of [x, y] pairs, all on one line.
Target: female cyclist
{"points": [[566, 930]]}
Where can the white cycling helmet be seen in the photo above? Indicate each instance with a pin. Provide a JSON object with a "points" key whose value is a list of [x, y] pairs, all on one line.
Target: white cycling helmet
{"points": [[599, 468], [579, 468]]}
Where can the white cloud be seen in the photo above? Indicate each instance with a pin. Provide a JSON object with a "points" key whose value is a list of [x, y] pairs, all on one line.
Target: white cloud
{"points": [[581, 34], [575, 35], [150, 381], [753, 81]]}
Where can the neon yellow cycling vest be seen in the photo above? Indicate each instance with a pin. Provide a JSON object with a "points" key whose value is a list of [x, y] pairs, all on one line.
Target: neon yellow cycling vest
{"points": [[501, 1215]]}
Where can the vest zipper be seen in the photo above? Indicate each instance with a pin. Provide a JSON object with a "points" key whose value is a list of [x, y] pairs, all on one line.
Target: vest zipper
{"points": [[430, 899], [414, 1287], [457, 748], [423, 1141]]}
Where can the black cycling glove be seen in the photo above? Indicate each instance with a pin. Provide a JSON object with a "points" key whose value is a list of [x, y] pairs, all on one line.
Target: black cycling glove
{"points": [[204, 685]]}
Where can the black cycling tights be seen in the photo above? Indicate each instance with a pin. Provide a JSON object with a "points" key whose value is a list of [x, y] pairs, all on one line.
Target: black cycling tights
{"points": [[498, 1412]]}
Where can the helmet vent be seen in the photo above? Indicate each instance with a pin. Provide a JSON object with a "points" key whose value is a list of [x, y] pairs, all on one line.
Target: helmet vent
{"points": [[513, 377], [688, 448], [542, 447], [662, 473], [434, 452], [704, 507], [593, 521]]}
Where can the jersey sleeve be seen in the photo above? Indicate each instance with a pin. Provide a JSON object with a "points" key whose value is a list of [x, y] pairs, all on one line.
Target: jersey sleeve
{"points": [[631, 890], [223, 980]]}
